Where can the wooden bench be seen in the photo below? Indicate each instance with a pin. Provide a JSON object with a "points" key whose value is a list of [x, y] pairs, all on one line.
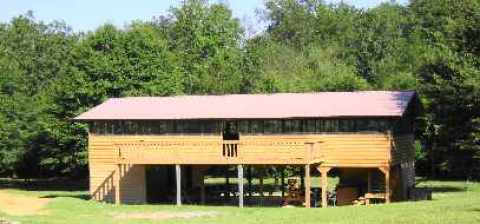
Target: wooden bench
{"points": [[372, 195]]}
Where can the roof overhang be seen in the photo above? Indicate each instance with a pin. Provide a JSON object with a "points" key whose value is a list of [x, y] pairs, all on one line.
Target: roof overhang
{"points": [[256, 106]]}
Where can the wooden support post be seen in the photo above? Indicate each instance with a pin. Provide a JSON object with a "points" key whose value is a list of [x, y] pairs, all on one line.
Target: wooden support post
{"points": [[386, 172], [387, 187], [282, 182], [178, 173], [324, 177], [118, 176], [307, 186], [324, 189], [240, 185]]}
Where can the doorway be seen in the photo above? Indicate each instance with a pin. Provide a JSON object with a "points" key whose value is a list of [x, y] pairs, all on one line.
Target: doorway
{"points": [[230, 135]]}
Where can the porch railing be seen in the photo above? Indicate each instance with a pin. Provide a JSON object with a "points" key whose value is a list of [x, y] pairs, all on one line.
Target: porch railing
{"points": [[279, 151]]}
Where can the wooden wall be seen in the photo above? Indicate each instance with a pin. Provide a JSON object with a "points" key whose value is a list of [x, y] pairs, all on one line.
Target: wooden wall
{"points": [[356, 150], [345, 150], [403, 157], [336, 150], [133, 184], [102, 164], [403, 148], [102, 167]]}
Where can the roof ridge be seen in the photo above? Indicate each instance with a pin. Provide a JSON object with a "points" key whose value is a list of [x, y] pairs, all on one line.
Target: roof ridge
{"points": [[268, 94]]}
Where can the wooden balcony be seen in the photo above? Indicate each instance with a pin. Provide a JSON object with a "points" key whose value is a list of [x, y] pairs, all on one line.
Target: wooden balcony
{"points": [[204, 150], [333, 150]]}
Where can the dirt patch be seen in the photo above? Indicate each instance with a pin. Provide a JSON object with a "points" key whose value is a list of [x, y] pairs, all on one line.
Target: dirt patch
{"points": [[165, 215], [16, 204]]}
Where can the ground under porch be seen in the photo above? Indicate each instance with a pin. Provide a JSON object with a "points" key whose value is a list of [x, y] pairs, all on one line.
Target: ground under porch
{"points": [[248, 185]]}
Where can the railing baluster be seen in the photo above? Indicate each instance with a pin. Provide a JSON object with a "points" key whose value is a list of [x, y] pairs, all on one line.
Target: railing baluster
{"points": [[230, 148]]}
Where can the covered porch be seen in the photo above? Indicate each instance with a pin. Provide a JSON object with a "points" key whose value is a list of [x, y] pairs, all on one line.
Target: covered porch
{"points": [[251, 185]]}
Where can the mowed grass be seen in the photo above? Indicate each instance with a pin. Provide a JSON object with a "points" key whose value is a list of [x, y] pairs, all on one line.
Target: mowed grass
{"points": [[453, 202]]}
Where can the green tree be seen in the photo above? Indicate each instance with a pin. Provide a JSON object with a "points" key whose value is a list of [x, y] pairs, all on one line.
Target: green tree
{"points": [[449, 23], [452, 92], [32, 59], [106, 63], [207, 40]]}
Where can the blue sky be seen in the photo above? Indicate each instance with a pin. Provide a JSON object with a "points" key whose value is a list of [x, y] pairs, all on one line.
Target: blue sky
{"points": [[84, 15]]}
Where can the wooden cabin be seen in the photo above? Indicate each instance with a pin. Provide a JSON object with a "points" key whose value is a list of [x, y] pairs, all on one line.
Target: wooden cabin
{"points": [[365, 135]]}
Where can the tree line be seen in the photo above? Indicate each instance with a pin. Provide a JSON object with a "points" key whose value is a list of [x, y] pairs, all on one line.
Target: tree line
{"points": [[50, 73]]}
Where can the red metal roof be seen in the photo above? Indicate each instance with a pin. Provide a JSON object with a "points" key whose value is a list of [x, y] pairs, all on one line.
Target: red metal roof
{"points": [[250, 106]]}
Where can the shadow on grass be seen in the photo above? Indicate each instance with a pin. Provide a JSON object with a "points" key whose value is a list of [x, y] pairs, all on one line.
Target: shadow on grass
{"points": [[84, 196], [474, 210], [439, 187], [445, 189], [65, 187]]}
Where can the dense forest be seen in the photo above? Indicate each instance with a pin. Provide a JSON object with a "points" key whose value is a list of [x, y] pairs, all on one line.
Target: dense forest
{"points": [[49, 73]]}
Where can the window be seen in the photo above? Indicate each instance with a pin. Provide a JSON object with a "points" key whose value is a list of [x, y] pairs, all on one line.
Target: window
{"points": [[346, 125], [361, 125], [118, 127], [243, 126], [271, 126], [256, 126], [310, 126], [292, 126]]}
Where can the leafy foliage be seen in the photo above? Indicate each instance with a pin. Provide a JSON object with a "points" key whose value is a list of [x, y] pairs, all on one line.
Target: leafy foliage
{"points": [[49, 74]]}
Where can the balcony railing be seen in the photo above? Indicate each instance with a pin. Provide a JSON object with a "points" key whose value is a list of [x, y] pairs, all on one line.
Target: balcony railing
{"points": [[199, 151], [230, 148]]}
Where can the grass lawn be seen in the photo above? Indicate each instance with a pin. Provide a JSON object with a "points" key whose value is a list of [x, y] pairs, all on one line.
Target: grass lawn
{"points": [[453, 202]]}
